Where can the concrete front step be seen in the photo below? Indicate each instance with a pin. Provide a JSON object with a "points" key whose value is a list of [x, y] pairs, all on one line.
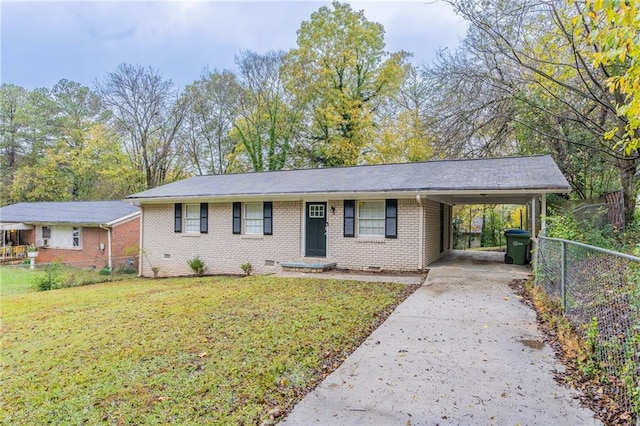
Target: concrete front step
{"points": [[316, 267]]}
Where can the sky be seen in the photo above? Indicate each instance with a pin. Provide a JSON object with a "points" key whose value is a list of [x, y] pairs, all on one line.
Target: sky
{"points": [[45, 41]]}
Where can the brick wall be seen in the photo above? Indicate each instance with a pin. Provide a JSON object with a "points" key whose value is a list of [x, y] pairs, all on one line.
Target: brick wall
{"points": [[432, 231], [400, 254], [125, 241], [89, 255], [221, 250], [126, 234]]}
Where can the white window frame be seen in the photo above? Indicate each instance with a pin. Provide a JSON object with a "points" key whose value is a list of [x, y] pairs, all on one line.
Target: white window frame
{"points": [[317, 211], [365, 224], [46, 234], [253, 216], [192, 222]]}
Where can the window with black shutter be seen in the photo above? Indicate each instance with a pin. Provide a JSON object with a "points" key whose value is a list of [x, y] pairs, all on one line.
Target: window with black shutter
{"points": [[177, 218], [237, 218], [267, 218], [204, 218], [391, 219], [349, 218]]}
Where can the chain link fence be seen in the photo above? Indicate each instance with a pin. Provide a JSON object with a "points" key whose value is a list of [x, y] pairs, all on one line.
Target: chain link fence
{"points": [[599, 291]]}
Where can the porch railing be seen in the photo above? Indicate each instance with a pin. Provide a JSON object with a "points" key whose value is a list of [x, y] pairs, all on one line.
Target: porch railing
{"points": [[13, 252]]}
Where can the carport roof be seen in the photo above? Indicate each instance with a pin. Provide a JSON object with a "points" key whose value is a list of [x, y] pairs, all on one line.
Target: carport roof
{"points": [[481, 181]]}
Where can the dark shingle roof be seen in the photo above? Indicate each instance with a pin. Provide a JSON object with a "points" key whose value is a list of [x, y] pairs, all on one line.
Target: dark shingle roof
{"points": [[513, 173], [71, 212]]}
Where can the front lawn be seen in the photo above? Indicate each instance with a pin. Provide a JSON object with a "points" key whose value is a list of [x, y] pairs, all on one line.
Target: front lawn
{"points": [[18, 279], [185, 351]]}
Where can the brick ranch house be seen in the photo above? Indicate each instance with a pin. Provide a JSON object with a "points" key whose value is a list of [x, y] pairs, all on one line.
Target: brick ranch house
{"points": [[374, 217], [86, 233]]}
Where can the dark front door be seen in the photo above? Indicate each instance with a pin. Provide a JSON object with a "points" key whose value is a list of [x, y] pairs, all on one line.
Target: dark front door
{"points": [[316, 228]]}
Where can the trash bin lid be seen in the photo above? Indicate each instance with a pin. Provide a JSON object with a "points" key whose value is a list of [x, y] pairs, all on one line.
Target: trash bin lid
{"points": [[520, 232]]}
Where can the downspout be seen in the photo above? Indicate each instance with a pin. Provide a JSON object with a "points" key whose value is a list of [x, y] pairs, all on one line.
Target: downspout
{"points": [[420, 233], [533, 217], [141, 249], [110, 260], [543, 210]]}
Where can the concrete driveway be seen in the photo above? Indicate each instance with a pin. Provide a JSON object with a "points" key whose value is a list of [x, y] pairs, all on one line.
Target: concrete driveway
{"points": [[461, 350]]}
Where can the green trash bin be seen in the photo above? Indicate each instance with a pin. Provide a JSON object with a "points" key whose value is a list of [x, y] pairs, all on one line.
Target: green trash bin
{"points": [[518, 247]]}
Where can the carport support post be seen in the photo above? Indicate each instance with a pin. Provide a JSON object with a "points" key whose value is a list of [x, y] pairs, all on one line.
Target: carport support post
{"points": [[533, 217], [563, 274], [543, 211]]}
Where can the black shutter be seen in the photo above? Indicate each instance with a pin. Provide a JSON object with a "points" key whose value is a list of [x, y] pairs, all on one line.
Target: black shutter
{"points": [[237, 218], [204, 218], [177, 218], [267, 216], [391, 219], [349, 218]]}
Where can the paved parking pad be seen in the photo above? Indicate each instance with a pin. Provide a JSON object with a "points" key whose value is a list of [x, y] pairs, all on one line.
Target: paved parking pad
{"points": [[461, 350]]}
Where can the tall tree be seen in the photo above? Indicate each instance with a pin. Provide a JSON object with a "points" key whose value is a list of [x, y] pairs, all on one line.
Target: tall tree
{"points": [[146, 111], [402, 123], [78, 110], [28, 129], [267, 122], [211, 102], [520, 70], [95, 168], [341, 73], [612, 28], [13, 101]]}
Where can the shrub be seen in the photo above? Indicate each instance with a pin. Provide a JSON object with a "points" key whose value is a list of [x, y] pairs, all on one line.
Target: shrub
{"points": [[51, 279], [105, 271], [246, 267], [127, 270], [197, 266]]}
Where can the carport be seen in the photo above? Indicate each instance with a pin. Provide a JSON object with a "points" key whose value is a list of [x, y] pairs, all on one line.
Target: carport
{"points": [[525, 181], [535, 201]]}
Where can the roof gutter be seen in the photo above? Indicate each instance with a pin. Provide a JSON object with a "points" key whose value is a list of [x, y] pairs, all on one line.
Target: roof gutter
{"points": [[110, 260], [123, 219], [340, 195]]}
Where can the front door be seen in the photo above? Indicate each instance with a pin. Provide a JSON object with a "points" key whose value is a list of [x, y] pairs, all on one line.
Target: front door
{"points": [[316, 228]]}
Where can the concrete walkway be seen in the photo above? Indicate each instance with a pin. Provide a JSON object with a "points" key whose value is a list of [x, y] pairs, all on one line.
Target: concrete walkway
{"points": [[462, 350]]}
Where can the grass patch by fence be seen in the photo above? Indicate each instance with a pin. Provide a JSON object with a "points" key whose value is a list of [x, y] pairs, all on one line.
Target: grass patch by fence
{"points": [[18, 279], [182, 351]]}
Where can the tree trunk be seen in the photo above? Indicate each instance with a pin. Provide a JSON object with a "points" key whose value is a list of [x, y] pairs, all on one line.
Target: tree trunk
{"points": [[628, 168]]}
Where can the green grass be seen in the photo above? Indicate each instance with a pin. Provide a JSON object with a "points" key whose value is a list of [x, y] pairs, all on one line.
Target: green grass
{"points": [[185, 351], [18, 279]]}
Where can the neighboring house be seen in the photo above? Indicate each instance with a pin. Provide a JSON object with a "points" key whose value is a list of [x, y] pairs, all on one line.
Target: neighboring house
{"points": [[87, 233], [390, 217], [471, 237]]}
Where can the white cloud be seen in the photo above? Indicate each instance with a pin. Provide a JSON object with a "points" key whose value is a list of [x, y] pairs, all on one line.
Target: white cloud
{"points": [[47, 41]]}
